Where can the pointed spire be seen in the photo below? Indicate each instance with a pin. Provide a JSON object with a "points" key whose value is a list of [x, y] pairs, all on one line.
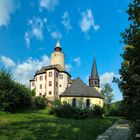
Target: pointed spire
{"points": [[58, 43], [58, 47], [94, 71]]}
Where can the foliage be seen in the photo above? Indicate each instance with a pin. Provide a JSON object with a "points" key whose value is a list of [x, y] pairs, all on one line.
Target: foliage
{"points": [[130, 69], [97, 111], [116, 109], [107, 93], [39, 125], [39, 102], [66, 110], [13, 96], [129, 82], [32, 93]]}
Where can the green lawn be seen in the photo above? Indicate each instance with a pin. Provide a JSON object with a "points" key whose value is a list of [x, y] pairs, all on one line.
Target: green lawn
{"points": [[38, 125]]}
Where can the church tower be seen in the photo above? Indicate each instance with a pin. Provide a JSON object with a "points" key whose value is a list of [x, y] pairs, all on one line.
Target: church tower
{"points": [[57, 57], [94, 80]]}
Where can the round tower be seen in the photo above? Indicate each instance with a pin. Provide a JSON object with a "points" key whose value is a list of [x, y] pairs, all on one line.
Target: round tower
{"points": [[57, 57]]}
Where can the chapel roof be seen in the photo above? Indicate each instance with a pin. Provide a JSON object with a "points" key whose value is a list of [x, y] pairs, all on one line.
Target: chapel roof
{"points": [[80, 89]]}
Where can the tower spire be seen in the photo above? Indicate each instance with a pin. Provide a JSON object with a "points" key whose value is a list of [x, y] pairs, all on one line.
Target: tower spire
{"points": [[94, 77], [94, 71], [58, 43], [58, 47]]}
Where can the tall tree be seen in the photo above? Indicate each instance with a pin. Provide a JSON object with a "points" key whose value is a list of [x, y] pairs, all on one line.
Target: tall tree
{"points": [[108, 95], [130, 68], [129, 82]]}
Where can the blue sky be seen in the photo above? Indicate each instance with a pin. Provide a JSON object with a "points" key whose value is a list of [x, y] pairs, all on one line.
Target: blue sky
{"points": [[86, 28]]}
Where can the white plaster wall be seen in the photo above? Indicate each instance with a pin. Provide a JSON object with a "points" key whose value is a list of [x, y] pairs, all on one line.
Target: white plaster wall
{"points": [[32, 87], [57, 58], [50, 88], [63, 82], [37, 84]]}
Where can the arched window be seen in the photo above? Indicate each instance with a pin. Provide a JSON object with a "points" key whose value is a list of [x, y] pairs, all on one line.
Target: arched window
{"points": [[74, 102], [87, 103]]}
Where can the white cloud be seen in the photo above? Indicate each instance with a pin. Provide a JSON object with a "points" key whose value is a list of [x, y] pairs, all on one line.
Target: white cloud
{"points": [[25, 71], [6, 9], [56, 35], [36, 30], [77, 60], [7, 61], [66, 21], [107, 77], [48, 4], [68, 67], [27, 39], [87, 22]]}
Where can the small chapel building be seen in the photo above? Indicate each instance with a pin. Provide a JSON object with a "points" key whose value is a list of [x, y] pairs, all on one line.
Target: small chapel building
{"points": [[55, 83]]}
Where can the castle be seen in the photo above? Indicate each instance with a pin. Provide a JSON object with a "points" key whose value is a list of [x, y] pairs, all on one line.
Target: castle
{"points": [[54, 82]]}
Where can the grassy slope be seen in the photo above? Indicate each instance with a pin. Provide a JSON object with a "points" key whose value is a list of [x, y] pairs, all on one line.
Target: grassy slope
{"points": [[38, 125]]}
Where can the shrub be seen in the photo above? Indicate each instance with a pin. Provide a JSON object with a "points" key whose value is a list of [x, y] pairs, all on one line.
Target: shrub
{"points": [[97, 111], [67, 111], [39, 102], [13, 96]]}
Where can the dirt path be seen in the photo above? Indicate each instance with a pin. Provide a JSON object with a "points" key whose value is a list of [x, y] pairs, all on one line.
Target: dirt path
{"points": [[118, 131]]}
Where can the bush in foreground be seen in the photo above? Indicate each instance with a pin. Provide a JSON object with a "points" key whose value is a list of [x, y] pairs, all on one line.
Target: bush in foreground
{"points": [[39, 102], [13, 96], [65, 110]]}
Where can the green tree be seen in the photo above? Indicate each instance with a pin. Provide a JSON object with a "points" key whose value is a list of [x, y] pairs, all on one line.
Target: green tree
{"points": [[129, 82], [108, 95], [13, 96]]}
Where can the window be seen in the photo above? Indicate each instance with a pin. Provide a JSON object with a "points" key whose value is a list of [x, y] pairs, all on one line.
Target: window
{"points": [[56, 75], [61, 76], [50, 93], [40, 94], [87, 103], [36, 78], [33, 84], [50, 74], [40, 86], [74, 102], [56, 84], [91, 82], [95, 82], [45, 77], [60, 85], [44, 94], [50, 83], [41, 78]]}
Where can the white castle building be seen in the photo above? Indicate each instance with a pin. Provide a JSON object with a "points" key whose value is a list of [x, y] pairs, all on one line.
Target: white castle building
{"points": [[54, 82], [51, 81]]}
